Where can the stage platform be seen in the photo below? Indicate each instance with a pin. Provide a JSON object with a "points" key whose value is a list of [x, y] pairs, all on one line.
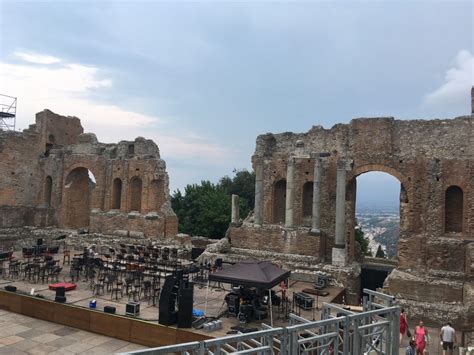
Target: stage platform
{"points": [[215, 307]]}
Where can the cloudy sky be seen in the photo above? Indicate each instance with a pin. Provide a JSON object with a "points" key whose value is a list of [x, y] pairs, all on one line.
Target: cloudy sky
{"points": [[203, 79]]}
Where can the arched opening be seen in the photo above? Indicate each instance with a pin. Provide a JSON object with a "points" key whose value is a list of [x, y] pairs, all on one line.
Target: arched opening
{"points": [[377, 210], [48, 188], [116, 194], [80, 183], [156, 195], [279, 201], [307, 199], [377, 199], [453, 209], [136, 194]]}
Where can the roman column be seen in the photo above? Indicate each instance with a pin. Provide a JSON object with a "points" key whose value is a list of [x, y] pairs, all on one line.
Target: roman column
{"points": [[316, 216], [339, 250], [235, 209], [290, 194], [258, 218]]}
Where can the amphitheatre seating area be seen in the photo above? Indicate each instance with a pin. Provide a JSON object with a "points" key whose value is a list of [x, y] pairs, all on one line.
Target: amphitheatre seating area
{"points": [[127, 273]]}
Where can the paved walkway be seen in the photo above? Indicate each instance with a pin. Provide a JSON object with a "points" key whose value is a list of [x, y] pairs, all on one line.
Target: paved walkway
{"points": [[21, 334]]}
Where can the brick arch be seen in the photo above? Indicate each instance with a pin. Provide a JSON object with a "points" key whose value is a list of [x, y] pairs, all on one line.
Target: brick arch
{"points": [[405, 197], [135, 190], [378, 167], [279, 200], [77, 198], [70, 168], [453, 209]]}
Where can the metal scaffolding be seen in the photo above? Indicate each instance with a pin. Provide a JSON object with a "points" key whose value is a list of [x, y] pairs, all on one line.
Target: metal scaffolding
{"points": [[7, 112], [373, 331]]}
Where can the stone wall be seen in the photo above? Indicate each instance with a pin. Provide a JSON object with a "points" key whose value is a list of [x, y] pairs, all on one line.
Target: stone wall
{"points": [[277, 239], [53, 174], [427, 157], [434, 163]]}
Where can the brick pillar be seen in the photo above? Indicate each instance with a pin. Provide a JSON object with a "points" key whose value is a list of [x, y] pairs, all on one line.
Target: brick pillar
{"points": [[258, 211], [316, 215], [339, 254], [290, 192]]}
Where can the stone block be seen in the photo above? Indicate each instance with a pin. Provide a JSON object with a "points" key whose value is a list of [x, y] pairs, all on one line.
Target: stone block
{"points": [[121, 233], [339, 256], [136, 234]]}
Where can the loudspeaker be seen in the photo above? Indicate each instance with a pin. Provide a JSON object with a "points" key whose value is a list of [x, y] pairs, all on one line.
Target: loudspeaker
{"points": [[168, 318], [60, 291], [60, 299], [39, 241], [195, 252], [10, 288], [167, 304], [109, 309], [185, 307]]}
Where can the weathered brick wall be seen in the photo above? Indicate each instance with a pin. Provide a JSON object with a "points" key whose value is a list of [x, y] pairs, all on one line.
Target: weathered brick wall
{"points": [[56, 148], [277, 239], [152, 226], [435, 264], [425, 156]]}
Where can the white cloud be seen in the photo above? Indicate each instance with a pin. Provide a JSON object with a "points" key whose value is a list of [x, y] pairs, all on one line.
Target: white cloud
{"points": [[454, 92], [37, 58], [69, 89]]}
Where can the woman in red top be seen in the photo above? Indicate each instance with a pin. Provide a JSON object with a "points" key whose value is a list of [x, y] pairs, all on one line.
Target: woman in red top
{"points": [[421, 335], [403, 325]]}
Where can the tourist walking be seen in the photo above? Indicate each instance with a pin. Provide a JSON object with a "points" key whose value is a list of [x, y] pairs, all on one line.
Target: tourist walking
{"points": [[411, 348], [448, 337], [421, 338], [403, 325]]}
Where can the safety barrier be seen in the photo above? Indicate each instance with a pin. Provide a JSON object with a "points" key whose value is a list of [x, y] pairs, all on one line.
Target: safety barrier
{"points": [[375, 330]]}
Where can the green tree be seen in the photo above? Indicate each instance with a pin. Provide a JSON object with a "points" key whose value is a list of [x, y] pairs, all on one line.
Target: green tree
{"points": [[243, 184], [362, 240], [380, 253], [205, 209]]}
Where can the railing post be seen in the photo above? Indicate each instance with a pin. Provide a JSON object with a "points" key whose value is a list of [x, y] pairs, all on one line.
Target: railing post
{"points": [[284, 342], [294, 342], [395, 331], [346, 338], [202, 348], [356, 338]]}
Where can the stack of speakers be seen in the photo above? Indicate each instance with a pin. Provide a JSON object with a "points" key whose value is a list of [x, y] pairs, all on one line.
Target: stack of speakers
{"points": [[176, 302], [185, 303], [168, 314]]}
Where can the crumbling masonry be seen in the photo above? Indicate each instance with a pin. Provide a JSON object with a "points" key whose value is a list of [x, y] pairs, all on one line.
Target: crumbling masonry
{"points": [[53, 174], [304, 214], [305, 204]]}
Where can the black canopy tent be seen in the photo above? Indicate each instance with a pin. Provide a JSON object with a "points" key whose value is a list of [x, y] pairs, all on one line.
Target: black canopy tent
{"points": [[251, 273]]}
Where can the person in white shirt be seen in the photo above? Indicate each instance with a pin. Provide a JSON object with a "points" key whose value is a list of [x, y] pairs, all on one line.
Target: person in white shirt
{"points": [[448, 337]]}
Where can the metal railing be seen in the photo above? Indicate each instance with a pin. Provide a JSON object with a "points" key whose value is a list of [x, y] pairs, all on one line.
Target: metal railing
{"points": [[340, 331]]}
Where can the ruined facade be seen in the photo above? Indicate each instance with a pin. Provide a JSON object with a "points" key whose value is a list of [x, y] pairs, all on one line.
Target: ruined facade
{"points": [[306, 190], [53, 174]]}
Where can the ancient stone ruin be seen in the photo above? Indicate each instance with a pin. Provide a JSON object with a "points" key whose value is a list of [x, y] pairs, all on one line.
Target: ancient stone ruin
{"points": [[305, 205], [53, 174]]}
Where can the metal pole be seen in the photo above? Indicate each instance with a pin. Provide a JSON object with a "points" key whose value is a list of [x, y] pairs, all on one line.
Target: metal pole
{"points": [[207, 292], [271, 308]]}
